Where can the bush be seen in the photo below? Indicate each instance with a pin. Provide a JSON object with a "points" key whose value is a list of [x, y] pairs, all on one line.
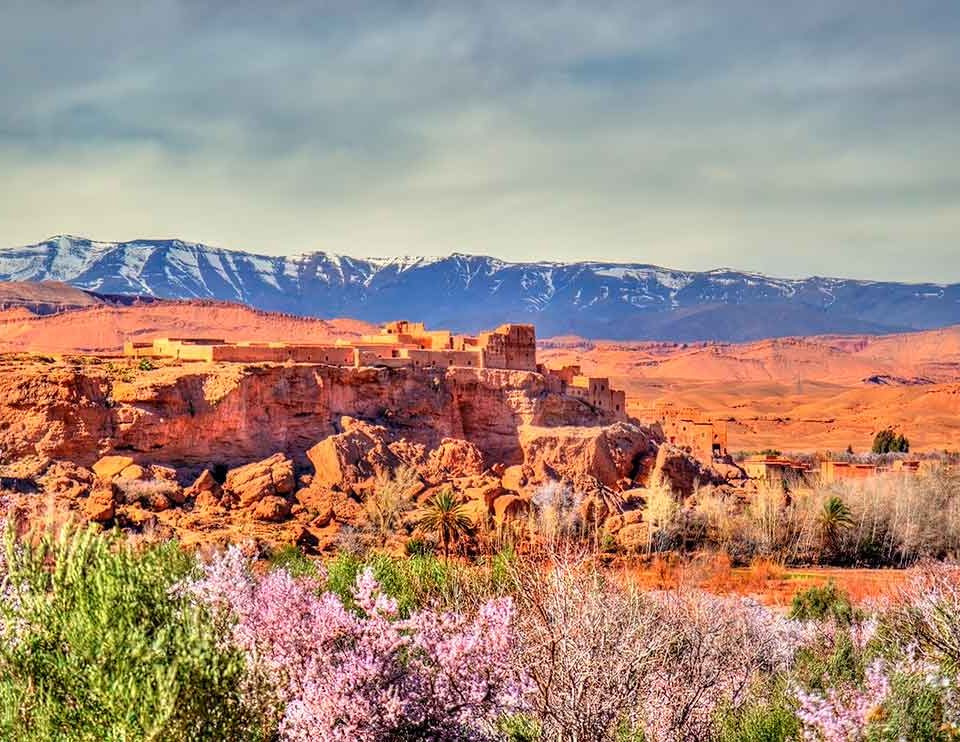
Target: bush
{"points": [[519, 728], [414, 582], [822, 602], [367, 674], [293, 560], [763, 719], [888, 441], [96, 646]]}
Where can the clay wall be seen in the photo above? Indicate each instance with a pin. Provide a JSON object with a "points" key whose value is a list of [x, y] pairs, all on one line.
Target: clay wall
{"points": [[836, 471], [511, 347]]}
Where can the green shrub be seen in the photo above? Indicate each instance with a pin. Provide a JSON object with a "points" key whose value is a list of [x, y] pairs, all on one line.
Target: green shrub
{"points": [[821, 602], [146, 365], [770, 719], [627, 732], [888, 441], [519, 728], [99, 646], [913, 709], [418, 547], [293, 560], [414, 582], [830, 661], [503, 574]]}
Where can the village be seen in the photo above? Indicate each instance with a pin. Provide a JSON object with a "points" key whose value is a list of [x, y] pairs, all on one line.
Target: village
{"points": [[402, 344], [512, 347]]}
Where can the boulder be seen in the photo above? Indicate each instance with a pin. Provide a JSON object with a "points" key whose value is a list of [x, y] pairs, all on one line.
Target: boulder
{"points": [[204, 483], [110, 466], [271, 508], [99, 506], [615, 523], [633, 537], [207, 502], [485, 492], [359, 454], [514, 478], [134, 471], [678, 470], [138, 517], [158, 502], [607, 455], [249, 484], [163, 472], [454, 457], [66, 480], [509, 507]]}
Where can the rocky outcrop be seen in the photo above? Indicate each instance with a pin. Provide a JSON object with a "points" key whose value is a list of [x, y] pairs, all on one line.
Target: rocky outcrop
{"points": [[358, 454], [247, 486], [585, 457], [195, 416], [292, 454]]}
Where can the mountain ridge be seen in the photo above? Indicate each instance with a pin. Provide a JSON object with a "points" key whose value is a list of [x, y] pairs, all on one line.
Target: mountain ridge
{"points": [[471, 292]]}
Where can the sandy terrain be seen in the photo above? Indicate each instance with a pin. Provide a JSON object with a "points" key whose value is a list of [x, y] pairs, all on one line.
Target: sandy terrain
{"points": [[795, 394], [103, 329]]}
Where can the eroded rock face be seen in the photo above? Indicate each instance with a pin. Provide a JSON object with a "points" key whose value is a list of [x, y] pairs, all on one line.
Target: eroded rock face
{"points": [[247, 485], [196, 415], [357, 454], [583, 456]]}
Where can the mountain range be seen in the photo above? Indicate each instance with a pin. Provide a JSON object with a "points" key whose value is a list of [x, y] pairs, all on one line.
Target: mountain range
{"points": [[467, 293]]}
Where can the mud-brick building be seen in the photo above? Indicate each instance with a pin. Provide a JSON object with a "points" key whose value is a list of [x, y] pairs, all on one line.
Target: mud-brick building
{"points": [[594, 390], [688, 428], [398, 344], [776, 470], [842, 471]]}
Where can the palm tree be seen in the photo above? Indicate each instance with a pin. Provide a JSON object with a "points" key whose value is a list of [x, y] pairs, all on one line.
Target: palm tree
{"points": [[445, 517], [834, 518]]}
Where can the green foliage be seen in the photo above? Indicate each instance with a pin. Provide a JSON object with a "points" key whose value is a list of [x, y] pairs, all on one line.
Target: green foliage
{"points": [[821, 602], [828, 662], [888, 441], [627, 732], [102, 648], [446, 517], [146, 364], [503, 573], [913, 710], [293, 560], [767, 720], [413, 582], [418, 547], [835, 518], [519, 728]]}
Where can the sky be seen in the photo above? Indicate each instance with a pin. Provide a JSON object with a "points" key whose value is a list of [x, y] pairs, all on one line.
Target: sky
{"points": [[804, 138]]}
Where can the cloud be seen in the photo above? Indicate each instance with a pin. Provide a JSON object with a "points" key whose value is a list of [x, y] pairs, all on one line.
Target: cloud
{"points": [[696, 134]]}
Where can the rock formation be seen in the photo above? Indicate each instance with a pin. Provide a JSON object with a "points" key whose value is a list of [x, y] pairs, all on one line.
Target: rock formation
{"points": [[292, 453]]}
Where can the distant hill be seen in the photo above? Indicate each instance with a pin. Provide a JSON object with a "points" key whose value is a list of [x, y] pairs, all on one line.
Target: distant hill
{"points": [[468, 292], [50, 297], [103, 327]]}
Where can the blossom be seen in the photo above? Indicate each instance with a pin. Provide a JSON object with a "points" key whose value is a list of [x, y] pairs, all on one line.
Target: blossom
{"points": [[369, 675]]}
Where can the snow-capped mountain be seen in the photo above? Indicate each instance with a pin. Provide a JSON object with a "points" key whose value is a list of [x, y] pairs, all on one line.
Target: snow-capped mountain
{"points": [[470, 292]]}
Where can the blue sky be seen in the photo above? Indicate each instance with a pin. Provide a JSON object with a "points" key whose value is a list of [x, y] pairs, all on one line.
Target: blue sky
{"points": [[789, 138]]}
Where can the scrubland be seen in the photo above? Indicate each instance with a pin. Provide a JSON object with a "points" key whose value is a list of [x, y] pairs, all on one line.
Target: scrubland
{"points": [[545, 638]]}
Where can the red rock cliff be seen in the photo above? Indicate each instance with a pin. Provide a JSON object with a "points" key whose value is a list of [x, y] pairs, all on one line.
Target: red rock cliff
{"points": [[195, 415]]}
